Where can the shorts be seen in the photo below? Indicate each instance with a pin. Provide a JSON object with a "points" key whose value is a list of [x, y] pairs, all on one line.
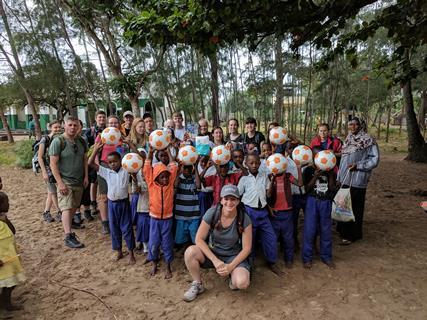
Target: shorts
{"points": [[51, 187], [186, 230], [93, 176], [209, 265], [86, 197], [102, 186], [72, 199]]}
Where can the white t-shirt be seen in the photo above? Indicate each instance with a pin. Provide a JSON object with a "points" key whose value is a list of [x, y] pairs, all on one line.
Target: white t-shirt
{"points": [[117, 182], [179, 133]]}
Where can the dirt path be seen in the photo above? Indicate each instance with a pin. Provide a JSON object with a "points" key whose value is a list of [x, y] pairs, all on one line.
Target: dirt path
{"points": [[382, 277]]}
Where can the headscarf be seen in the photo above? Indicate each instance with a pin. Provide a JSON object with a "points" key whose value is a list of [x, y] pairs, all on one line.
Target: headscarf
{"points": [[359, 141]]}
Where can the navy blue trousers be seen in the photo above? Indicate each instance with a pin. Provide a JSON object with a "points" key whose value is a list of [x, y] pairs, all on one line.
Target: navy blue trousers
{"points": [[317, 214], [298, 203], [161, 235], [140, 219], [133, 205], [262, 228], [119, 216], [283, 226], [205, 202]]}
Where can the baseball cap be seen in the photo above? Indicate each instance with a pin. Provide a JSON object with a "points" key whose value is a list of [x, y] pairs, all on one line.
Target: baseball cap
{"points": [[230, 190], [127, 113]]}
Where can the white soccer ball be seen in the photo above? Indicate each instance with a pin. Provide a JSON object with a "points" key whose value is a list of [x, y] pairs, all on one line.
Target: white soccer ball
{"points": [[187, 155], [276, 163], [159, 139], [111, 136], [325, 160], [278, 135], [302, 155], [132, 162], [220, 155]]}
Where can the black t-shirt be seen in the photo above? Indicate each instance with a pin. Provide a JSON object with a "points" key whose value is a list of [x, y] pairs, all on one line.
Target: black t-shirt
{"points": [[256, 139], [321, 187]]}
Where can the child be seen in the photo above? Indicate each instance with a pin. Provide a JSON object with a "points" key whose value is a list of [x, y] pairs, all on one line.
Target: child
{"points": [[253, 189], [187, 209], [266, 151], [11, 271], [320, 187], [205, 194], [222, 178], [160, 180], [282, 215], [140, 209], [119, 215], [237, 157]]}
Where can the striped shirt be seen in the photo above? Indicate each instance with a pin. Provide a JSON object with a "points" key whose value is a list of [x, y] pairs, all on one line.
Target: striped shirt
{"points": [[187, 199]]}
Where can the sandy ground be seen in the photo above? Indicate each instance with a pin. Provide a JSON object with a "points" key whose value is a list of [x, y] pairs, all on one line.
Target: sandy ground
{"points": [[382, 277]]}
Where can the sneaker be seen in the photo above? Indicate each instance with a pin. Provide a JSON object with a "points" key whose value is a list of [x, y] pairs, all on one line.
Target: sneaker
{"points": [[195, 289], [58, 217], [88, 215], [231, 285], [48, 217], [72, 242], [75, 225], [105, 227], [77, 219]]}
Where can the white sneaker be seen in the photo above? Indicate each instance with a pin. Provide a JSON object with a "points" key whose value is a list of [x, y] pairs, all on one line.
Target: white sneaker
{"points": [[195, 289]]}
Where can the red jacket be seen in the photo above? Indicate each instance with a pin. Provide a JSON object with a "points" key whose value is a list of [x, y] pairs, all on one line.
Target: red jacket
{"points": [[333, 144], [161, 197]]}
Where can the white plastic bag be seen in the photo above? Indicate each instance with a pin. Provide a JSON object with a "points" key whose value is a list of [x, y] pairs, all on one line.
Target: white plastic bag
{"points": [[341, 207]]}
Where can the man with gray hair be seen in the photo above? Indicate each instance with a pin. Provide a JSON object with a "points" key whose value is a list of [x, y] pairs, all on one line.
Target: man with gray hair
{"points": [[68, 163]]}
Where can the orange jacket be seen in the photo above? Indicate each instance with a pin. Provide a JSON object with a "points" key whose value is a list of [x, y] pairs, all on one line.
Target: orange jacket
{"points": [[161, 197]]}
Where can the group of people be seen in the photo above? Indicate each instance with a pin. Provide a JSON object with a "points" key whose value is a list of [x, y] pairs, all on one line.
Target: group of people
{"points": [[220, 214]]}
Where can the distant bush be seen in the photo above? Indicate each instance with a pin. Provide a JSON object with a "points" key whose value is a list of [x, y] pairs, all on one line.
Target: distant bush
{"points": [[24, 153]]}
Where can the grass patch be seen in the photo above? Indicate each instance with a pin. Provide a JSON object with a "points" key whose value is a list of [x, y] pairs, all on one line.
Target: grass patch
{"points": [[7, 153]]}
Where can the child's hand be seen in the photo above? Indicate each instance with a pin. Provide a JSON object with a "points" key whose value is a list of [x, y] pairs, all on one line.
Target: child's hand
{"points": [[317, 173], [352, 167], [98, 145]]}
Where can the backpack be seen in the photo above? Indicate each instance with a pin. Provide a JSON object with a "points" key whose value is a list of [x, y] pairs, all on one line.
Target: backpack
{"points": [[35, 148]]}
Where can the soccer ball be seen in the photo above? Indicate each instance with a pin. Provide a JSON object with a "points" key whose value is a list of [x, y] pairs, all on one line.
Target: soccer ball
{"points": [[159, 139], [187, 155], [302, 155], [325, 160], [132, 162], [111, 136], [278, 135], [276, 163], [220, 155]]}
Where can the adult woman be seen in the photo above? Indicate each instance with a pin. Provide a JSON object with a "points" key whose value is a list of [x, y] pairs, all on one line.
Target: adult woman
{"points": [[229, 229], [55, 128], [138, 137], [218, 136], [233, 135], [360, 155], [325, 141]]}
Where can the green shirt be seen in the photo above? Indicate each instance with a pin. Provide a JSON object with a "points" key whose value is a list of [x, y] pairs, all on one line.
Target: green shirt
{"points": [[71, 159]]}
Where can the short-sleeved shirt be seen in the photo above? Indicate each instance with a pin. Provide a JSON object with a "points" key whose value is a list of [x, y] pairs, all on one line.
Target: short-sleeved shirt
{"points": [[256, 139], [118, 183], [217, 182], [321, 187], [283, 192], [71, 159], [225, 241], [187, 199], [253, 189], [121, 148]]}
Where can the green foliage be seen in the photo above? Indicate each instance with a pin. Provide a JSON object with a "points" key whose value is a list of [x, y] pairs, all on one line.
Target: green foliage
{"points": [[7, 154], [24, 154]]}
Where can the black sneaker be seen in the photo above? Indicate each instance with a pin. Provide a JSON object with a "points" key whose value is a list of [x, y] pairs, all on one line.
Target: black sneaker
{"points": [[48, 217], [58, 217], [75, 225], [72, 242], [77, 219], [88, 215], [105, 227]]}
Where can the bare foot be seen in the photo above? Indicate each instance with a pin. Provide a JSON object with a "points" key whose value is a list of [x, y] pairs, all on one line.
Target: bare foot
{"points": [[118, 256], [275, 269], [154, 269], [131, 258], [330, 264], [146, 261], [168, 273], [307, 265]]}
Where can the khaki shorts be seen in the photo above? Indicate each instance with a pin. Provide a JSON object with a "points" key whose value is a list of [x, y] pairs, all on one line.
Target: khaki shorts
{"points": [[72, 200]]}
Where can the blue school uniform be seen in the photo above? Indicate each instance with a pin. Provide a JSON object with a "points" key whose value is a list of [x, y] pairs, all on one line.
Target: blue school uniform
{"points": [[140, 209]]}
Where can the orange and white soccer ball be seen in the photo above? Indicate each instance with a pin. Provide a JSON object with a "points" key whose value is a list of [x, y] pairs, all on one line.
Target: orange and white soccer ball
{"points": [[132, 162], [276, 163], [111, 136], [220, 155], [159, 139], [187, 155], [278, 135], [325, 160], [302, 155]]}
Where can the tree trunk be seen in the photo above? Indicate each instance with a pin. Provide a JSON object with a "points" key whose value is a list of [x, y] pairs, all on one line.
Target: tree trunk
{"points": [[387, 134], [214, 89], [6, 127], [417, 148], [423, 111]]}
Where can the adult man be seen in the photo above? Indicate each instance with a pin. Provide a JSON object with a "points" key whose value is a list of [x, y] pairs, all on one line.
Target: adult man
{"points": [[69, 167], [252, 136], [149, 123], [179, 128], [100, 124], [127, 124]]}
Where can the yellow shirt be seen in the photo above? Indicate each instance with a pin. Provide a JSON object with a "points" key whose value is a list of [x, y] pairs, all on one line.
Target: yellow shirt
{"points": [[11, 273]]}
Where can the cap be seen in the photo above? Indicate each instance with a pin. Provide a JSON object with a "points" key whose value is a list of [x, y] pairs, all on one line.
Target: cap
{"points": [[127, 113], [230, 190]]}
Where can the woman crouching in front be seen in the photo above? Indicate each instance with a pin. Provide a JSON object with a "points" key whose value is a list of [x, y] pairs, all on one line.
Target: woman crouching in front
{"points": [[223, 242]]}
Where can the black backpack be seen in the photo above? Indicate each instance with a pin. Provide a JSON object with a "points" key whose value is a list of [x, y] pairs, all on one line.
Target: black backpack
{"points": [[216, 221], [35, 148]]}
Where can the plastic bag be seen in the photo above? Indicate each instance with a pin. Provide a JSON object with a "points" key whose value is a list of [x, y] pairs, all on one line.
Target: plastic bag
{"points": [[202, 146], [341, 206]]}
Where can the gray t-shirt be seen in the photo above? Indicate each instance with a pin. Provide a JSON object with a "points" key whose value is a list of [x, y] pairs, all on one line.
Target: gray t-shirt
{"points": [[71, 159], [225, 242]]}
